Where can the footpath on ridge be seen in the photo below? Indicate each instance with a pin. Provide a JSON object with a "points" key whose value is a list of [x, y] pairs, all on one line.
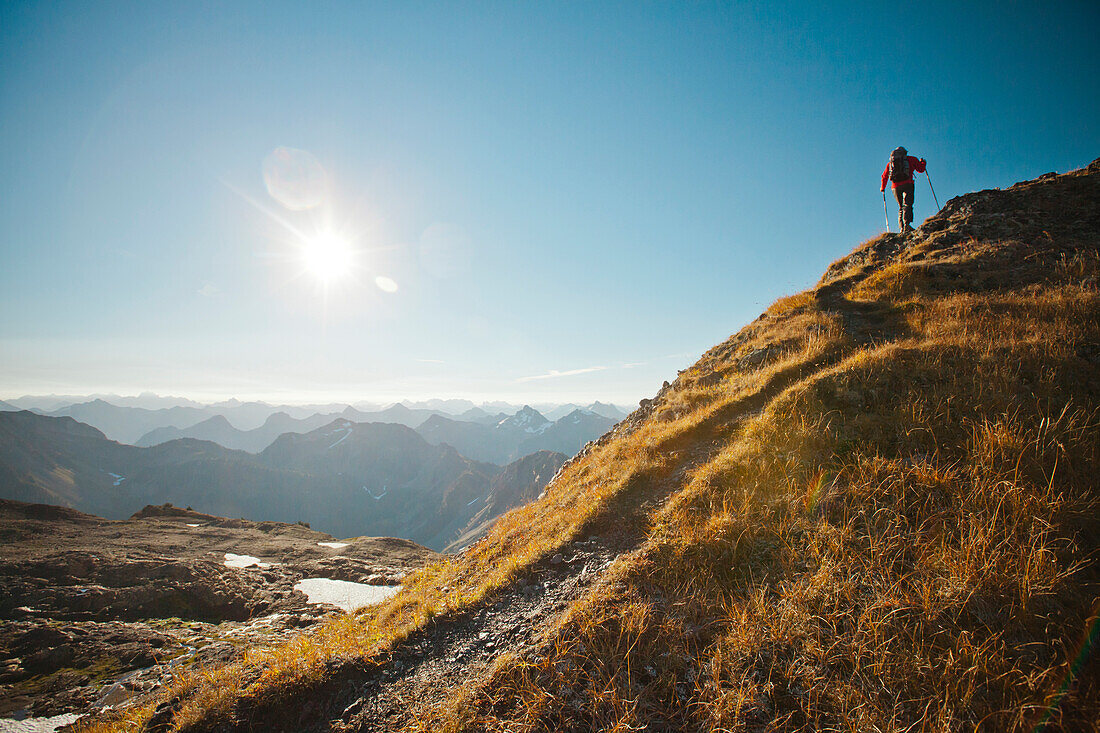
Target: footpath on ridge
{"points": [[974, 242]]}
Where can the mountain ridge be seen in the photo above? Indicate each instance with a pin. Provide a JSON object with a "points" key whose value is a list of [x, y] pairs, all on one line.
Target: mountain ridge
{"points": [[332, 477], [508, 439], [873, 507]]}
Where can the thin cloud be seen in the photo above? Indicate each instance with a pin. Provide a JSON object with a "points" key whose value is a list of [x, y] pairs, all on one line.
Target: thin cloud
{"points": [[633, 364], [431, 361], [209, 290], [553, 373]]}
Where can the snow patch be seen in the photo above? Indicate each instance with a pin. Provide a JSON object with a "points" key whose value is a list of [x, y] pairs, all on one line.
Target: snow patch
{"points": [[37, 725], [194, 525], [244, 561], [344, 594], [347, 432], [376, 498], [333, 545], [340, 425]]}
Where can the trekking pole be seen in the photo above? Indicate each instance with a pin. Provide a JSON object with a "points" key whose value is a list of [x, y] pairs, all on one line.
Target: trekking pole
{"points": [[885, 211], [933, 190]]}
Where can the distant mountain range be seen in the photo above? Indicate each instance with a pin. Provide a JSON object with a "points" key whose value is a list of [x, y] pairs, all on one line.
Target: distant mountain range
{"points": [[602, 409], [148, 419], [518, 435], [346, 478], [218, 430], [127, 424], [152, 401]]}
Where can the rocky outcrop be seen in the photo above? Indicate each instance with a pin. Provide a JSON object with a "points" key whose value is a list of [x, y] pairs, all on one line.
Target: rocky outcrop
{"points": [[94, 611]]}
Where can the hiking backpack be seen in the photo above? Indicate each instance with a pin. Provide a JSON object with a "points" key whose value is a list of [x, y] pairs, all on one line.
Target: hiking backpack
{"points": [[899, 166]]}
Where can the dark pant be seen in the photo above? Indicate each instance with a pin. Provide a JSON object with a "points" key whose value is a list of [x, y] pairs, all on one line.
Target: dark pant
{"points": [[903, 192]]}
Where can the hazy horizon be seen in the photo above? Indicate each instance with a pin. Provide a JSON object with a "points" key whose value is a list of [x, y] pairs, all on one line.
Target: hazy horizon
{"points": [[278, 401]]}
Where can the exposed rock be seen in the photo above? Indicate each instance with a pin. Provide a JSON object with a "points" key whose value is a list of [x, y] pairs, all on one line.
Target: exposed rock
{"points": [[757, 357], [96, 612]]}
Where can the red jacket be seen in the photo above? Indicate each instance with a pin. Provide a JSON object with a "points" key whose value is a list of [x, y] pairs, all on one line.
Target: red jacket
{"points": [[916, 165]]}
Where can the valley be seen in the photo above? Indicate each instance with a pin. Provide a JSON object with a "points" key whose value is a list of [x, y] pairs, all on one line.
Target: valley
{"points": [[344, 477]]}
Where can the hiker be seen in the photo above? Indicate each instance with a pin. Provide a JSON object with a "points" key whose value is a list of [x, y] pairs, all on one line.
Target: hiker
{"points": [[900, 170]]}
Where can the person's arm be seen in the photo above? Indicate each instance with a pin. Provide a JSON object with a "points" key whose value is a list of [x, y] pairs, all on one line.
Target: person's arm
{"points": [[918, 164], [885, 175]]}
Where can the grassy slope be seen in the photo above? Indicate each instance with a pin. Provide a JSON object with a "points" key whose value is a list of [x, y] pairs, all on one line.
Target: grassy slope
{"points": [[881, 513]]}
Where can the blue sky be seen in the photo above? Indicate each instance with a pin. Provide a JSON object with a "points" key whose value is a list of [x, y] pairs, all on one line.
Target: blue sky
{"points": [[573, 200]]}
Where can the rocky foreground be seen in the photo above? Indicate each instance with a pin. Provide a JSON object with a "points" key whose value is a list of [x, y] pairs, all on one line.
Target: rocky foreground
{"points": [[94, 612]]}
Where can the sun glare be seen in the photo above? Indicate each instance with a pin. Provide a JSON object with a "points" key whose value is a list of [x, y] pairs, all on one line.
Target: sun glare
{"points": [[328, 256]]}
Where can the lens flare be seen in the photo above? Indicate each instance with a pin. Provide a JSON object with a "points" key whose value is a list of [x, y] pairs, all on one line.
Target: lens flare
{"points": [[385, 284], [295, 178]]}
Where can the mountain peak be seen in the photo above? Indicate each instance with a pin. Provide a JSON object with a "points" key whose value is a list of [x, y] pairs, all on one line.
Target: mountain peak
{"points": [[278, 417], [435, 420], [526, 418]]}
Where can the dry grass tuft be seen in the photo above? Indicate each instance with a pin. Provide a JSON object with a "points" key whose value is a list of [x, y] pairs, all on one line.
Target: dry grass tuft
{"points": [[789, 303], [904, 538], [882, 515]]}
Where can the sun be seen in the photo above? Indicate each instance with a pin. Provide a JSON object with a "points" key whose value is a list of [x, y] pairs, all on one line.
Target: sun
{"points": [[328, 256]]}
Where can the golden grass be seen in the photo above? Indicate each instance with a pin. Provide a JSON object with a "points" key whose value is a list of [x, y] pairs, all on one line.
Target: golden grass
{"points": [[903, 540], [896, 281], [893, 526], [789, 303]]}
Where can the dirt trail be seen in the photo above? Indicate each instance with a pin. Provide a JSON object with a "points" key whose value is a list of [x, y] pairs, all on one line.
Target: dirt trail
{"points": [[434, 661]]}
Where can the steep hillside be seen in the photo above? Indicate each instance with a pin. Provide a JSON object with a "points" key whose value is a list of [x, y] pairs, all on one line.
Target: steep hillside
{"points": [[517, 484], [59, 461], [873, 508]]}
